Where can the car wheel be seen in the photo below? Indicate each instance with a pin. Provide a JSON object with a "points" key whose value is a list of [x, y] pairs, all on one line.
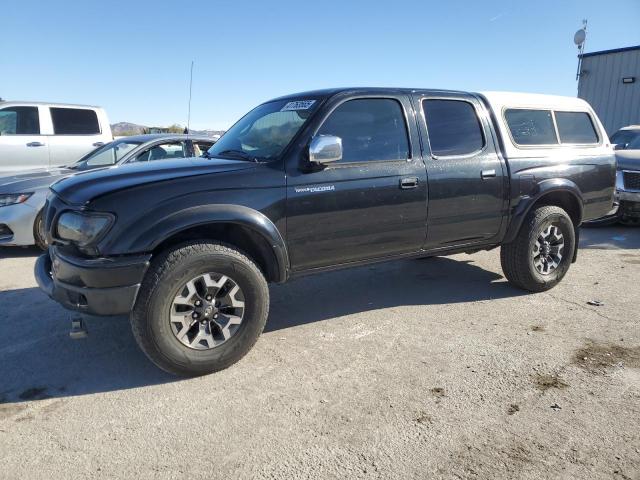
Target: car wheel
{"points": [[201, 308], [39, 234], [542, 252]]}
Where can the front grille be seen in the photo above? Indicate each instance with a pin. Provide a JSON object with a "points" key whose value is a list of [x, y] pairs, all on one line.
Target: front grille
{"points": [[631, 180]]}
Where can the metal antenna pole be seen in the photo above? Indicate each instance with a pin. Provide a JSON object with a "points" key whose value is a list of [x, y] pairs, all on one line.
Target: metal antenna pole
{"points": [[190, 87], [581, 49]]}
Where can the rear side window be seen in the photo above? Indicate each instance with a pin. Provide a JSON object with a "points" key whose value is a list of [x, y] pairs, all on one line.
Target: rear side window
{"points": [[74, 121], [531, 127], [575, 127], [453, 127], [370, 128], [19, 121], [200, 147]]}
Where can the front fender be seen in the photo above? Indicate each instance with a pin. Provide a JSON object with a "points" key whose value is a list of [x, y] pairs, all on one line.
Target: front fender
{"points": [[541, 189], [148, 233]]}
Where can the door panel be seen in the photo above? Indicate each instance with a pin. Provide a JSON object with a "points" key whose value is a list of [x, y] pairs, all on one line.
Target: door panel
{"points": [[346, 211], [466, 189], [76, 131], [22, 147]]}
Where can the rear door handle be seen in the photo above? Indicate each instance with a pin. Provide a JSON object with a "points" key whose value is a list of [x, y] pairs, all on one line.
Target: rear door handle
{"points": [[488, 173], [410, 182], [35, 144]]}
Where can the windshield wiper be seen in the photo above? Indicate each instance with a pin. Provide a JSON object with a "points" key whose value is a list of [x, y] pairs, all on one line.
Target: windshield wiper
{"points": [[238, 154]]}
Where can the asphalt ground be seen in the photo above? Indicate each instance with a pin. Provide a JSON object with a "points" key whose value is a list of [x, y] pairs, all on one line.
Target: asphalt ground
{"points": [[431, 368]]}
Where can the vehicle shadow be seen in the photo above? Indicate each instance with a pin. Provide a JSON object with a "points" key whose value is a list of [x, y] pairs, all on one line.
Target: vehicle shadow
{"points": [[19, 252], [432, 281], [617, 237], [40, 361]]}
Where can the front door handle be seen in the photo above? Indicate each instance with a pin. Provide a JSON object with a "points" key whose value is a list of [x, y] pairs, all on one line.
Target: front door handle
{"points": [[35, 144], [98, 144], [409, 182], [488, 173]]}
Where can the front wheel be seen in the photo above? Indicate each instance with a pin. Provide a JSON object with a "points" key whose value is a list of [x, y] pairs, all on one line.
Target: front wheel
{"points": [[39, 234], [201, 308], [541, 254]]}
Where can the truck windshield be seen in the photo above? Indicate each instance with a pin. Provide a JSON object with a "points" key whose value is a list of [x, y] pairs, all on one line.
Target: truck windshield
{"points": [[265, 131]]}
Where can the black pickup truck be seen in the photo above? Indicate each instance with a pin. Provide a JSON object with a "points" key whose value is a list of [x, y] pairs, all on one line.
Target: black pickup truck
{"points": [[323, 180]]}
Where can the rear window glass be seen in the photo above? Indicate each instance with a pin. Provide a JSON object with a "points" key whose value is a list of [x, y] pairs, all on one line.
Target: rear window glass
{"points": [[531, 127], [74, 121], [453, 126], [575, 127]]}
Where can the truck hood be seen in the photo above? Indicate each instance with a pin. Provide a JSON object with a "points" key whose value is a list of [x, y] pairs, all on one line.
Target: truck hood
{"points": [[19, 182], [82, 188], [628, 159]]}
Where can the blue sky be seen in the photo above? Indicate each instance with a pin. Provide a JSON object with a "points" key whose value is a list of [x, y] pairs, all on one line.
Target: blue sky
{"points": [[133, 57]]}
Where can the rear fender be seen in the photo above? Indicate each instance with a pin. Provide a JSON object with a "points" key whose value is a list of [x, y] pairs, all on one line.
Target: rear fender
{"points": [[542, 190]]}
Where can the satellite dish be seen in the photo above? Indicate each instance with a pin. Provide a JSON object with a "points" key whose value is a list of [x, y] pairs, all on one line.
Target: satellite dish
{"points": [[580, 37]]}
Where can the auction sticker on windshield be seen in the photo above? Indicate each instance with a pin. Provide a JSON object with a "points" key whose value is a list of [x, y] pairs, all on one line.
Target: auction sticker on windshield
{"points": [[298, 105]]}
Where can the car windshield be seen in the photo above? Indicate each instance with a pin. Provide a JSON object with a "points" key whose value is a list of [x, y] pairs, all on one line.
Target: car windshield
{"points": [[265, 131], [108, 154], [625, 137]]}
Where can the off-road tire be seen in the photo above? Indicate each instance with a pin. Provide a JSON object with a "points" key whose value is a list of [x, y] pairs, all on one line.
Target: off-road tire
{"points": [[517, 257], [38, 232], [150, 315]]}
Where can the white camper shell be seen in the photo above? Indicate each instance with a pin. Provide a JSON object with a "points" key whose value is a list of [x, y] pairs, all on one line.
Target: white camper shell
{"points": [[533, 124]]}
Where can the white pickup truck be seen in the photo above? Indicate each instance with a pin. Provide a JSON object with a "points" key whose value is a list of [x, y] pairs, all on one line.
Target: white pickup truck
{"points": [[43, 135]]}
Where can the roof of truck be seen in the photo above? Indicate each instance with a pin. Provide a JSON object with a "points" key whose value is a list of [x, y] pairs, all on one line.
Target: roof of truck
{"points": [[45, 104], [327, 92], [499, 100]]}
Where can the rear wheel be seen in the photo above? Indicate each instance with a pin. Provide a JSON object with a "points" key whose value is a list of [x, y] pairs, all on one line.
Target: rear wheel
{"points": [[541, 254], [39, 234], [201, 308]]}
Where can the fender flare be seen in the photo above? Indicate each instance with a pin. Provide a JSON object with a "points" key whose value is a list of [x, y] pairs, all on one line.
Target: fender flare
{"points": [[148, 239], [543, 188]]}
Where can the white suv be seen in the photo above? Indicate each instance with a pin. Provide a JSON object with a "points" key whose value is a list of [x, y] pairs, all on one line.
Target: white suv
{"points": [[43, 135]]}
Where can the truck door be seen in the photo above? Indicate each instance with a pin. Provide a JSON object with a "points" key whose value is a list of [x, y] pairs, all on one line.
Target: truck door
{"points": [[23, 144], [467, 188], [370, 204], [76, 131]]}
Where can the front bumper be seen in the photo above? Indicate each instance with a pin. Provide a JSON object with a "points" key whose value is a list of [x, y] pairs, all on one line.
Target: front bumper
{"points": [[19, 220], [102, 286]]}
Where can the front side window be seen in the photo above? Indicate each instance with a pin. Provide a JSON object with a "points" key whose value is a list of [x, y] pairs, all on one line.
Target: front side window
{"points": [[109, 154], [371, 129], [531, 127], [453, 126], [74, 121], [19, 121], [163, 151], [264, 132], [575, 127]]}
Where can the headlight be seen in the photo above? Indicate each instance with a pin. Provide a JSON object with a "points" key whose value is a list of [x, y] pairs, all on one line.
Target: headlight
{"points": [[13, 198], [82, 228]]}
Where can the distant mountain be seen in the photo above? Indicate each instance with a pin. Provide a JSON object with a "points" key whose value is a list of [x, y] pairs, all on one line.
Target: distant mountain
{"points": [[126, 128]]}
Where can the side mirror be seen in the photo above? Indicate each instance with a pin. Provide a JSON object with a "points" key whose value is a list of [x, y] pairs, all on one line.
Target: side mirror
{"points": [[325, 149]]}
